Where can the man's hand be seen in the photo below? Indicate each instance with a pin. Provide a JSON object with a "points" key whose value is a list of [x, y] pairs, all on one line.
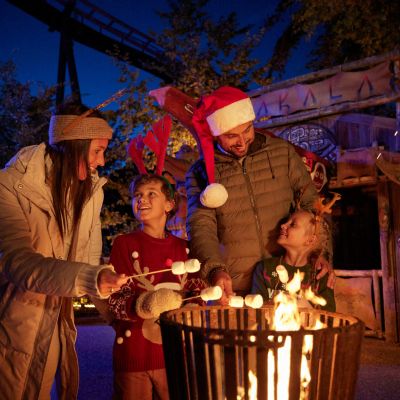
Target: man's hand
{"points": [[108, 281], [222, 279], [324, 267]]}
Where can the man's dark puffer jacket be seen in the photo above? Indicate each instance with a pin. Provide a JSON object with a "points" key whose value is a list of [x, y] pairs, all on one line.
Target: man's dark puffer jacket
{"points": [[262, 189]]}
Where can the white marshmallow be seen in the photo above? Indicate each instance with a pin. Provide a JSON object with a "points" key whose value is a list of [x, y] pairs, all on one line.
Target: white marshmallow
{"points": [[192, 265], [120, 340], [187, 250], [178, 268], [135, 254], [253, 300], [211, 293], [282, 273], [128, 333], [236, 301]]}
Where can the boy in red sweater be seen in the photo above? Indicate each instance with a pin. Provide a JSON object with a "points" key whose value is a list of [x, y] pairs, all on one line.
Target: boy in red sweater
{"points": [[138, 359]]}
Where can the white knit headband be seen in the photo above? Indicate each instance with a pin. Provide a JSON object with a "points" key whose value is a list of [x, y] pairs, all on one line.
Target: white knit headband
{"points": [[62, 128]]}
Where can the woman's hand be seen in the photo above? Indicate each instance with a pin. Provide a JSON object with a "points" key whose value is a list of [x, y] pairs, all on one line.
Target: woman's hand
{"points": [[108, 281]]}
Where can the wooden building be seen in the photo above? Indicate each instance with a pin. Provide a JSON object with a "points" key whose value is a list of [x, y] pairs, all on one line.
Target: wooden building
{"points": [[317, 112]]}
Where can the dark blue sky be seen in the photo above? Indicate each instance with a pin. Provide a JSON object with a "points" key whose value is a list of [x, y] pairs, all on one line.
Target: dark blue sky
{"points": [[34, 48]]}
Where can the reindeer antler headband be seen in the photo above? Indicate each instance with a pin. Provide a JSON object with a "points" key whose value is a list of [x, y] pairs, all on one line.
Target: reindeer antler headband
{"points": [[320, 206], [156, 140], [325, 208]]}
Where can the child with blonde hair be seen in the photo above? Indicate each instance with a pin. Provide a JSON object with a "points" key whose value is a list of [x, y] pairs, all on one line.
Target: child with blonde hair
{"points": [[304, 236]]}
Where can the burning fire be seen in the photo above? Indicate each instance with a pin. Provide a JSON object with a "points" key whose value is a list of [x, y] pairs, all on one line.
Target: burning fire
{"points": [[287, 318]]}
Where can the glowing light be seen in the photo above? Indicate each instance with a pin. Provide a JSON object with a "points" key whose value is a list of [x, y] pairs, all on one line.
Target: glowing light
{"points": [[252, 392], [287, 318], [294, 285], [311, 296], [253, 386]]}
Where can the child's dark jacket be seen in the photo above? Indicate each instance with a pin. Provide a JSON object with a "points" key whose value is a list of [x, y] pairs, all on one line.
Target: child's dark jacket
{"points": [[266, 281]]}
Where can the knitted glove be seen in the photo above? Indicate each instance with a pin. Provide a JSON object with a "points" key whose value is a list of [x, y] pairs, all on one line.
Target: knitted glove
{"points": [[152, 304]]}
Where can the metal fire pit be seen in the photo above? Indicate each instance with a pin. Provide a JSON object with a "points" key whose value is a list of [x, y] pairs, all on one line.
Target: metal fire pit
{"points": [[210, 350]]}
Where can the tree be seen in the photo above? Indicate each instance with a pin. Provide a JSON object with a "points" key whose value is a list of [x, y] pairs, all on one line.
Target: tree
{"points": [[24, 118], [211, 52], [341, 30]]}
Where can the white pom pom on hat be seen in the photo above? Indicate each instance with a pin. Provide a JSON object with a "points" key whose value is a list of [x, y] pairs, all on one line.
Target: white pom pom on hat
{"points": [[214, 195], [216, 114]]}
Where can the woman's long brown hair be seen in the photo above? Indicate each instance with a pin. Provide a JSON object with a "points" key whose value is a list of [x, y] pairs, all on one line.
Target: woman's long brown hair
{"points": [[70, 194]]}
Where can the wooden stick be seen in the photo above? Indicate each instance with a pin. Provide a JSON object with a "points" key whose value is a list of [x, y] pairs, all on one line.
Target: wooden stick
{"points": [[191, 298], [150, 273]]}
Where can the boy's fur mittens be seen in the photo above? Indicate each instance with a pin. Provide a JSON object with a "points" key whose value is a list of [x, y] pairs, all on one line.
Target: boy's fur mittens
{"points": [[152, 304]]}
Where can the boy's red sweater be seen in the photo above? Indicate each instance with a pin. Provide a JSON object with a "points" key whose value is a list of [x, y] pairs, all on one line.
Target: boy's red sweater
{"points": [[135, 253]]}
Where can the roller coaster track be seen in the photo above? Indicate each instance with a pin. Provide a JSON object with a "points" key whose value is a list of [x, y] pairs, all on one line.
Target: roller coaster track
{"points": [[91, 26]]}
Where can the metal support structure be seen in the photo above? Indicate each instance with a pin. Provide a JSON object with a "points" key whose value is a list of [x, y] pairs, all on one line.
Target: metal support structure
{"points": [[66, 58], [91, 26]]}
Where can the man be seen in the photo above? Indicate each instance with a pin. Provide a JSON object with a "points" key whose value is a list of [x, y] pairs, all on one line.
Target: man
{"points": [[263, 177]]}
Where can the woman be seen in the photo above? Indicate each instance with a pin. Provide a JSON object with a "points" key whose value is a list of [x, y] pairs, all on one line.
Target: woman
{"points": [[50, 247]]}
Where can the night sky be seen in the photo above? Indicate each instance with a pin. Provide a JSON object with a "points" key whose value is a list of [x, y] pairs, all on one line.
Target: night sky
{"points": [[34, 49]]}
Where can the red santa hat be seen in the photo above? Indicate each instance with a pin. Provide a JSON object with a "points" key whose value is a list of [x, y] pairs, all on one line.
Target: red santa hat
{"points": [[216, 114]]}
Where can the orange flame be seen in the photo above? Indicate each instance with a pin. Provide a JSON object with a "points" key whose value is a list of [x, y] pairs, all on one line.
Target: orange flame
{"points": [[287, 318]]}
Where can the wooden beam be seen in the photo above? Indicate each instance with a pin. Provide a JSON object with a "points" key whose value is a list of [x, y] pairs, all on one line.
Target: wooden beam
{"points": [[389, 304], [395, 250], [325, 111], [360, 273], [325, 73]]}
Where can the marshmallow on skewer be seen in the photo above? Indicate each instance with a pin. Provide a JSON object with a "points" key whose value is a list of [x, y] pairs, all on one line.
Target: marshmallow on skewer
{"points": [[178, 268], [236, 301], [211, 293], [254, 300], [282, 273], [192, 265]]}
